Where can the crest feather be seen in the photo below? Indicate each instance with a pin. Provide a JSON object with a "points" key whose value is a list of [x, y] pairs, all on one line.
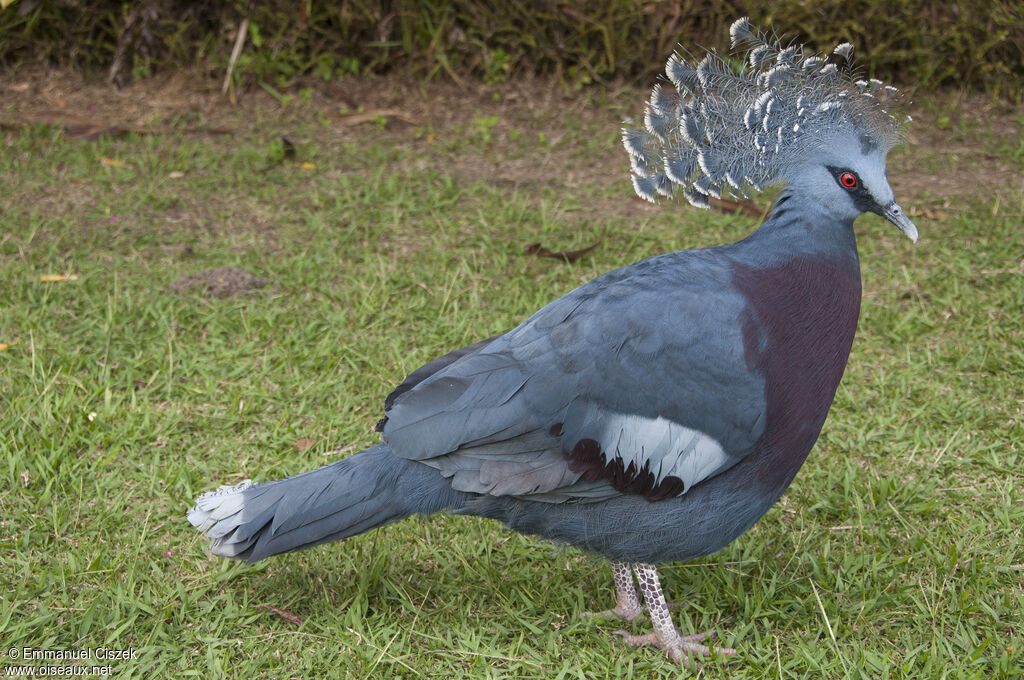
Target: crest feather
{"points": [[844, 51], [682, 75], [741, 32], [735, 126]]}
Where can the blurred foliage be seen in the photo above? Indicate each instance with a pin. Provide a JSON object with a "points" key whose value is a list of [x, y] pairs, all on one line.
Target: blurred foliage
{"points": [[976, 46]]}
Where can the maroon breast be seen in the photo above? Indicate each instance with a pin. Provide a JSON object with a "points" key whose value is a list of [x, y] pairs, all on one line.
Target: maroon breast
{"points": [[798, 329]]}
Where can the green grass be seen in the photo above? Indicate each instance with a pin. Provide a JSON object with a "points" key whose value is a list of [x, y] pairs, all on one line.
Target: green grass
{"points": [[897, 552]]}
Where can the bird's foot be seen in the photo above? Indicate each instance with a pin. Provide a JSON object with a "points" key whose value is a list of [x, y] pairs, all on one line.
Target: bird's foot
{"points": [[678, 648], [625, 611]]}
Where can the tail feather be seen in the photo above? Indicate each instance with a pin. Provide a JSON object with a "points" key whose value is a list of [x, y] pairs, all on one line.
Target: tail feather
{"points": [[348, 497]]}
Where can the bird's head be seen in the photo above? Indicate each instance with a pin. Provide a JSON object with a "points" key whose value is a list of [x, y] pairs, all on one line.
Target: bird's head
{"points": [[845, 175], [784, 117]]}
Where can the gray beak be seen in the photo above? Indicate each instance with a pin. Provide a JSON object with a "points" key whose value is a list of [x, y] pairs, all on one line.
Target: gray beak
{"points": [[894, 213]]}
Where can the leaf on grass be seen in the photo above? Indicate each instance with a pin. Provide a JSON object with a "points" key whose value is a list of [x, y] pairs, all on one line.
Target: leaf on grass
{"points": [[286, 615], [748, 208], [307, 166], [7, 345], [371, 115], [927, 213], [303, 443], [114, 163], [564, 255], [175, 174], [57, 278]]}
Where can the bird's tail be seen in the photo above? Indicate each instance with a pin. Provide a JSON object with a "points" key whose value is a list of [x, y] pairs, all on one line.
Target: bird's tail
{"points": [[370, 489]]}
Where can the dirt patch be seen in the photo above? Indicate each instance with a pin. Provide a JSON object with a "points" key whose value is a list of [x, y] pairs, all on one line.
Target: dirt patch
{"points": [[222, 282]]}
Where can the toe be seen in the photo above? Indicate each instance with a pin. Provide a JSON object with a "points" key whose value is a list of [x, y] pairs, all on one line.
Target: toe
{"points": [[625, 613], [672, 651], [681, 649]]}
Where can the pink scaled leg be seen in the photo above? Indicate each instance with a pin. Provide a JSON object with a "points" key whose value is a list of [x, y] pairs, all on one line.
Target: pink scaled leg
{"points": [[665, 635]]}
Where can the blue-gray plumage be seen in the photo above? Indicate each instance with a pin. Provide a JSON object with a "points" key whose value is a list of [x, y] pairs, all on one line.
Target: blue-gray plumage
{"points": [[658, 411]]}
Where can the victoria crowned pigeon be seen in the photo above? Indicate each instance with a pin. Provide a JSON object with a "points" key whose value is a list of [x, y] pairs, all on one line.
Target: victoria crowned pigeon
{"points": [[658, 411]]}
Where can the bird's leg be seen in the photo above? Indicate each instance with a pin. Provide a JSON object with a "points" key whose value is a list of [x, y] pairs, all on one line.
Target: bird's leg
{"points": [[627, 604], [665, 635]]}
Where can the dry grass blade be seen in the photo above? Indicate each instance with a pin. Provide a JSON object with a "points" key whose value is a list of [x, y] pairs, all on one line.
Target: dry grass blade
{"points": [[243, 28]]}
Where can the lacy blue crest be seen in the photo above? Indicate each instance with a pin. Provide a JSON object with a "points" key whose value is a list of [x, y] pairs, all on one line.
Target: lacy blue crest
{"points": [[733, 125]]}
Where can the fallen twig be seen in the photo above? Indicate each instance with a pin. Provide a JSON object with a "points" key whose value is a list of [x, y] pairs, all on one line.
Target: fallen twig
{"points": [[371, 115], [744, 207]]}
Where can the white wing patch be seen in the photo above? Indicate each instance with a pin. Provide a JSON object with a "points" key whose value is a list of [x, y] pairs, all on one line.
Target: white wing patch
{"points": [[667, 448]]}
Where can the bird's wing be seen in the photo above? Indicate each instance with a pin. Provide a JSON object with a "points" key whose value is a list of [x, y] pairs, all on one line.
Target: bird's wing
{"points": [[635, 382], [428, 369]]}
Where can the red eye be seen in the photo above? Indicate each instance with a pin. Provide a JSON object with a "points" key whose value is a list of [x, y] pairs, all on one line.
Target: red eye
{"points": [[848, 180]]}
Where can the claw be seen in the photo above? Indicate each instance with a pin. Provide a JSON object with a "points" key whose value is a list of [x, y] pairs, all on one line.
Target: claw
{"points": [[682, 648]]}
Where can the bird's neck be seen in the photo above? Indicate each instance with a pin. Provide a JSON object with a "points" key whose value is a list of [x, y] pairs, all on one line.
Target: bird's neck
{"points": [[798, 229]]}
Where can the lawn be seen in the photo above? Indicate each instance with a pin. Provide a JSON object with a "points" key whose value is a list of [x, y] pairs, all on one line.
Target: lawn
{"points": [[124, 393]]}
